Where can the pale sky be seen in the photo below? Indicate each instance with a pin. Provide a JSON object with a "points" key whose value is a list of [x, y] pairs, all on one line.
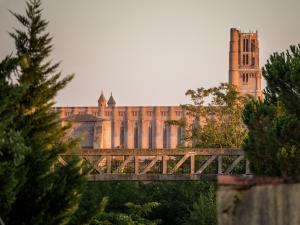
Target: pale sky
{"points": [[149, 52]]}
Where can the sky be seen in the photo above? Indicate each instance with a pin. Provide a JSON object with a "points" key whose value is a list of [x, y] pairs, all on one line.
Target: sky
{"points": [[149, 52]]}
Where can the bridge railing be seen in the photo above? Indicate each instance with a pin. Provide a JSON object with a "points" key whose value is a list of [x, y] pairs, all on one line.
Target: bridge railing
{"points": [[162, 164]]}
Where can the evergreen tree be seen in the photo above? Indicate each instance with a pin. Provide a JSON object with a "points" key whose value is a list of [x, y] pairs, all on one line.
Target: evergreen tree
{"points": [[48, 194], [273, 143], [12, 147]]}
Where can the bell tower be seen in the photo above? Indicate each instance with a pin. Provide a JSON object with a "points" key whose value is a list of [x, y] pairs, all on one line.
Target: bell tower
{"points": [[244, 69]]}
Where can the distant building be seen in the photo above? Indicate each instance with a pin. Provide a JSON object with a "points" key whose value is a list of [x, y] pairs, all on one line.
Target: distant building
{"points": [[110, 126], [244, 69]]}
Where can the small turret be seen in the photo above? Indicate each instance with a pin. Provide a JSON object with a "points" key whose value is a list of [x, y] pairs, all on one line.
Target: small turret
{"points": [[101, 105], [111, 101], [102, 101]]}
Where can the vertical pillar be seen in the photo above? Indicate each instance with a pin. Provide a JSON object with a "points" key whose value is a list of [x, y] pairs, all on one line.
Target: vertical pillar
{"points": [[136, 165], [97, 134], [108, 164], [129, 129], [165, 164], [234, 57], [173, 129], [192, 163], [187, 131], [106, 134], [158, 137], [143, 129], [116, 128], [259, 74]]}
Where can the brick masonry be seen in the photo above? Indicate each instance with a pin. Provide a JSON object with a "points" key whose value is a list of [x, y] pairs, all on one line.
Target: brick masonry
{"points": [[111, 126]]}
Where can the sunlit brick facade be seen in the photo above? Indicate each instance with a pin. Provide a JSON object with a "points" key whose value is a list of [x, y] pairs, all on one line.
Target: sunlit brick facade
{"points": [[110, 126], [244, 69]]}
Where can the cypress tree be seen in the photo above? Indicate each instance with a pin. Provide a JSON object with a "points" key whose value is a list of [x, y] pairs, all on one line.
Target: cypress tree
{"points": [[49, 193], [12, 146]]}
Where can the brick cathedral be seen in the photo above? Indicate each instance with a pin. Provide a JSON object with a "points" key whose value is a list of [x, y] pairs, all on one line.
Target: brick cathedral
{"points": [[110, 126]]}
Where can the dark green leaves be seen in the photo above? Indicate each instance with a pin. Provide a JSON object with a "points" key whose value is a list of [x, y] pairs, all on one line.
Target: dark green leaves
{"points": [[273, 145]]}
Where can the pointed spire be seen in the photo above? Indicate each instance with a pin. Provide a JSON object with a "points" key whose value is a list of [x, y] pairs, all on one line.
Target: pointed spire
{"points": [[101, 100], [111, 101]]}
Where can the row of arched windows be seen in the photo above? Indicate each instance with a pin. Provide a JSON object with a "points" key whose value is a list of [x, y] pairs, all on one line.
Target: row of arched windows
{"points": [[246, 76], [246, 45], [151, 139]]}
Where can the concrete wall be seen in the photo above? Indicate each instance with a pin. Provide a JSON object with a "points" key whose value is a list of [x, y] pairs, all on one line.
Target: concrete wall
{"points": [[258, 202]]}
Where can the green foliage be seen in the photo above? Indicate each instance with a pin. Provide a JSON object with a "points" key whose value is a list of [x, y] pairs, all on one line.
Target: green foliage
{"points": [[122, 203], [218, 123], [92, 203], [218, 117], [12, 147], [273, 143], [134, 215], [35, 189], [156, 202], [204, 210], [178, 200]]}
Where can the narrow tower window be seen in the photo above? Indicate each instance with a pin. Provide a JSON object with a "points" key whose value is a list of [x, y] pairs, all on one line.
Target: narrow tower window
{"points": [[245, 78], [179, 135], [122, 135], [246, 45], [165, 136], [252, 45], [150, 137], [136, 136]]}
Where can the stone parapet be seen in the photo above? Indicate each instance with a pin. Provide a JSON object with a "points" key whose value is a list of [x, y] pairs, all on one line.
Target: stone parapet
{"points": [[258, 201]]}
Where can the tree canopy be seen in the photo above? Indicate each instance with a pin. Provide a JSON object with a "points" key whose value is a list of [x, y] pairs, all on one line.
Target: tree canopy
{"points": [[217, 117], [273, 142], [34, 189]]}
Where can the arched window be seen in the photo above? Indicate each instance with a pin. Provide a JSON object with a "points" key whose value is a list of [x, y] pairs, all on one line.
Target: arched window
{"points": [[252, 45], [246, 45], [150, 136], [122, 135], [165, 136], [179, 135], [136, 135], [245, 78]]}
